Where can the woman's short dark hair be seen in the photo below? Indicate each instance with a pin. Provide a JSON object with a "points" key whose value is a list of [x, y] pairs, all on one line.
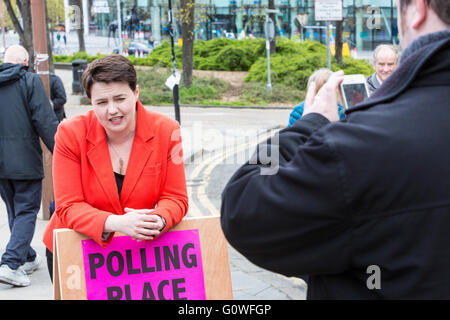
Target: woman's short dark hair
{"points": [[112, 68]]}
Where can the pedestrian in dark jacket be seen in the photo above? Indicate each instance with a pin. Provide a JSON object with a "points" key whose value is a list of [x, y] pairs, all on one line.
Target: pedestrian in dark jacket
{"points": [[361, 205], [25, 116], [58, 96]]}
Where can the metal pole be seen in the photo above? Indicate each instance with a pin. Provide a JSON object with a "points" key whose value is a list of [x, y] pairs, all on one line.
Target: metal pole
{"points": [[66, 17], [174, 67], [41, 67], [270, 34], [328, 47], [84, 5], [269, 83], [119, 26]]}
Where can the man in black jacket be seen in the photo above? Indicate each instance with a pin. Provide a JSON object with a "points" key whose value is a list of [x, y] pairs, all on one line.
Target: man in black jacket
{"points": [[25, 115], [361, 205]]}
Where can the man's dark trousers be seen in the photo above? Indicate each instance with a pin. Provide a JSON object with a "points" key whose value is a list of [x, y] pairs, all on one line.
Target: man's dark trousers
{"points": [[23, 201]]}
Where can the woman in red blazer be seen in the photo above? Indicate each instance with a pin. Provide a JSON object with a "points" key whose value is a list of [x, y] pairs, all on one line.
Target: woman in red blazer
{"points": [[119, 167]]}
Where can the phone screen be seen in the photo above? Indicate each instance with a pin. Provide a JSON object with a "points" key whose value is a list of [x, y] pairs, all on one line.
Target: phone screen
{"points": [[354, 93]]}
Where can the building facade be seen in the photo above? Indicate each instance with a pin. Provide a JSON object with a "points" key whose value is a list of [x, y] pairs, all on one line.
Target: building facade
{"points": [[367, 23]]}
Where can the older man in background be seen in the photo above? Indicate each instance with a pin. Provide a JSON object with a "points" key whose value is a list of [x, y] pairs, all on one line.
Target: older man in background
{"points": [[385, 61]]}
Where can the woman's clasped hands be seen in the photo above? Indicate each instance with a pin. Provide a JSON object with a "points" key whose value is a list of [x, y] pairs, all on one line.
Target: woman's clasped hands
{"points": [[139, 224]]}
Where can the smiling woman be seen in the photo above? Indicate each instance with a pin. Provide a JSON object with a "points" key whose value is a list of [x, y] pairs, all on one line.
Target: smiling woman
{"points": [[112, 167]]}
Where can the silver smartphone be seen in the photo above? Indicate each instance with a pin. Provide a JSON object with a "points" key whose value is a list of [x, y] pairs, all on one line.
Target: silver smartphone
{"points": [[354, 90]]}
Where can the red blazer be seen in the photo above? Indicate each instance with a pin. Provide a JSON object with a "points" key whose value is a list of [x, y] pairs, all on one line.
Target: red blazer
{"points": [[83, 178]]}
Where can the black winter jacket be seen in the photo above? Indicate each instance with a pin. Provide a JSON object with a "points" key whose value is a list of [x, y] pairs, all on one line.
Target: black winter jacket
{"points": [[364, 197], [58, 96], [25, 115]]}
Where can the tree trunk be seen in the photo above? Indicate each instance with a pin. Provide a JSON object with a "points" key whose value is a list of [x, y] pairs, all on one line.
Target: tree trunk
{"points": [[25, 33], [273, 43], [338, 44], [80, 27], [187, 34], [51, 66]]}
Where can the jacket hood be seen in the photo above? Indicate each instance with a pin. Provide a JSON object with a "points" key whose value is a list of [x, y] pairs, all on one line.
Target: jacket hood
{"points": [[10, 73]]}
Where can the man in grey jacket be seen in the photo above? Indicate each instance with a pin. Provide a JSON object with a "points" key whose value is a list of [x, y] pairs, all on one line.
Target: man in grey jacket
{"points": [[385, 61], [26, 115]]}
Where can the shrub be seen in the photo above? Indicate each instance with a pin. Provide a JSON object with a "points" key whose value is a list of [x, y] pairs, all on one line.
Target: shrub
{"points": [[77, 55], [162, 55], [227, 54], [294, 62]]}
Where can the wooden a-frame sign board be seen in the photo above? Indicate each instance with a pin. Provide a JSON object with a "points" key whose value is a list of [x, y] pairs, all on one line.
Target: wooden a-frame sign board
{"points": [[68, 267]]}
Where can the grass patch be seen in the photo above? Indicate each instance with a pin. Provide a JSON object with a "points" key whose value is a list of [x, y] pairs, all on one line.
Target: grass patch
{"points": [[256, 93], [209, 91], [153, 91]]}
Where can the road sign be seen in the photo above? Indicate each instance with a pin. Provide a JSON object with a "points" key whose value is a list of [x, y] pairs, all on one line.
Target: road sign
{"points": [[302, 18], [101, 6], [328, 10]]}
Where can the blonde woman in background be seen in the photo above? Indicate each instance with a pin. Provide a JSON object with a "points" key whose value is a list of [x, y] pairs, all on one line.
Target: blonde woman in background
{"points": [[319, 77]]}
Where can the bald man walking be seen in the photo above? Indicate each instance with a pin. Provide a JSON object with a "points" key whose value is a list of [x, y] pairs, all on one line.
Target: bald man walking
{"points": [[26, 115]]}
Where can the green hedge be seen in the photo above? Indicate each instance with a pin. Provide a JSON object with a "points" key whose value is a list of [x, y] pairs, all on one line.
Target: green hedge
{"points": [[76, 56], [294, 62], [291, 65]]}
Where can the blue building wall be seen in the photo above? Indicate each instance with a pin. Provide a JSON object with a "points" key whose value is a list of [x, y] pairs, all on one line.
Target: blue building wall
{"points": [[367, 23]]}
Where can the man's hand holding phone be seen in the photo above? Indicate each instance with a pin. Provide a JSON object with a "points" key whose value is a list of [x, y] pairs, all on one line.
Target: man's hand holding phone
{"points": [[325, 102]]}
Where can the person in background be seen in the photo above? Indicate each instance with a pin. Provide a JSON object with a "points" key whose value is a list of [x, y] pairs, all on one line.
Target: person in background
{"points": [[119, 167], [319, 77], [26, 116], [151, 42], [385, 61]]}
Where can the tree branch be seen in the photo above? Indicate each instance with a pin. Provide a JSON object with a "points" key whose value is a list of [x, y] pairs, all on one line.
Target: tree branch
{"points": [[14, 19]]}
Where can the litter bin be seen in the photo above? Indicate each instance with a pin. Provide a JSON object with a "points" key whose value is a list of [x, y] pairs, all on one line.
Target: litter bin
{"points": [[78, 67]]}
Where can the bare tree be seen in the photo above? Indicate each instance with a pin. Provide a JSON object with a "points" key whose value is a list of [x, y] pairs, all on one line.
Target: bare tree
{"points": [[51, 66], [187, 10], [26, 32], [80, 27]]}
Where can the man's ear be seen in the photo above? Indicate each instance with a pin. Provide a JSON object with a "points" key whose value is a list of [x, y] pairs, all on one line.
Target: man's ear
{"points": [[420, 14]]}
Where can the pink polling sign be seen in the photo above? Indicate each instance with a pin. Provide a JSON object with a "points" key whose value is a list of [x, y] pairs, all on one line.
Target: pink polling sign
{"points": [[169, 268]]}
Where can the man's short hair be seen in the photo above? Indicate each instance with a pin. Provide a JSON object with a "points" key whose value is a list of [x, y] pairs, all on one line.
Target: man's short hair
{"points": [[393, 48], [112, 68], [440, 7]]}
